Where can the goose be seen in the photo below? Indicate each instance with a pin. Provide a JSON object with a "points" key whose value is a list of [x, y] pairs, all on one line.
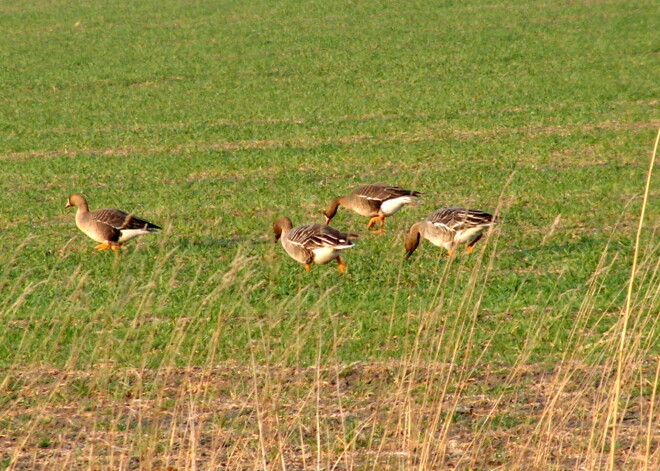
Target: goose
{"points": [[374, 201], [110, 227], [449, 228], [312, 243]]}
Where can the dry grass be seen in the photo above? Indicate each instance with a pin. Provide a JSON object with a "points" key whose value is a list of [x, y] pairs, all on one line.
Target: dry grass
{"points": [[430, 410], [360, 416], [594, 407]]}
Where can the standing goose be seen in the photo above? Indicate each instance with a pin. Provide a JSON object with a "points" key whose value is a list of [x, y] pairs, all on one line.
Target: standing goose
{"points": [[374, 201], [110, 227], [316, 243], [450, 227]]}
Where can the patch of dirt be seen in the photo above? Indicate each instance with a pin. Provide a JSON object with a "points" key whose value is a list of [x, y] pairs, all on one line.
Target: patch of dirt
{"points": [[357, 416]]}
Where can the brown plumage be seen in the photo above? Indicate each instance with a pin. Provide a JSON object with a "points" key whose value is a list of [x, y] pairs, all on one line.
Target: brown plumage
{"points": [[374, 201], [450, 227], [312, 243], [110, 227]]}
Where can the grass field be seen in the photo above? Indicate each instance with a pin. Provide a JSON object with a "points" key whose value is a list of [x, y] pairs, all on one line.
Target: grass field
{"points": [[206, 347]]}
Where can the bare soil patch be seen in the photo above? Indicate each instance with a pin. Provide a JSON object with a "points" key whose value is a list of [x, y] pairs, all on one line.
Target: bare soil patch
{"points": [[359, 416]]}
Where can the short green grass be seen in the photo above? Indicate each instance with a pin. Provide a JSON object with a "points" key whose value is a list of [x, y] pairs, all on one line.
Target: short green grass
{"points": [[212, 119]]}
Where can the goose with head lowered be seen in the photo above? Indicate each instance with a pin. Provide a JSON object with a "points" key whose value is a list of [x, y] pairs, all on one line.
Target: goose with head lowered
{"points": [[449, 228], [374, 201], [312, 243]]}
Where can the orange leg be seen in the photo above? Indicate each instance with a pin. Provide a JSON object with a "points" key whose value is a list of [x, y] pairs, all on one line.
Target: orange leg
{"points": [[450, 252], [115, 246], [470, 248], [376, 219], [342, 266], [308, 267], [382, 226]]}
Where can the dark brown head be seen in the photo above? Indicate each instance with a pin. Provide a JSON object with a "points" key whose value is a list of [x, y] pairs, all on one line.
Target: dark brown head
{"points": [[412, 240], [332, 208], [77, 199], [281, 226]]}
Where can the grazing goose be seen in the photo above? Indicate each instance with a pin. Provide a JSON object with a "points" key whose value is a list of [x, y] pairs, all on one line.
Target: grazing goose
{"points": [[374, 201], [450, 227], [110, 227], [316, 243]]}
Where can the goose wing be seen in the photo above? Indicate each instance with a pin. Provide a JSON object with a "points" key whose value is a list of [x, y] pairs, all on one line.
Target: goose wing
{"points": [[121, 220], [459, 219], [380, 193], [316, 236]]}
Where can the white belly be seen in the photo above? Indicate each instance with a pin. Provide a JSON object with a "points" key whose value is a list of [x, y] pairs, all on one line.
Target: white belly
{"points": [[128, 234], [447, 245], [390, 207], [325, 255], [468, 235], [441, 242]]}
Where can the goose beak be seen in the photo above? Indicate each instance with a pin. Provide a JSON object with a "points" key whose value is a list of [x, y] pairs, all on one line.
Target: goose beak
{"points": [[68, 205]]}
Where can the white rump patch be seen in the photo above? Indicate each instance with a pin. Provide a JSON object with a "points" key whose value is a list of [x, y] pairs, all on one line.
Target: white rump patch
{"points": [[325, 255], [128, 234], [468, 235], [390, 207]]}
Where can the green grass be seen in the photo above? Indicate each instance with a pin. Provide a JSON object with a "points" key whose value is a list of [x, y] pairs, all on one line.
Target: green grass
{"points": [[213, 119], [274, 111], [217, 205]]}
